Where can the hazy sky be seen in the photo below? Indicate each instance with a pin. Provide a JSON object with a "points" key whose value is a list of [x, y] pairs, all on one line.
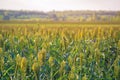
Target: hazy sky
{"points": [[48, 5]]}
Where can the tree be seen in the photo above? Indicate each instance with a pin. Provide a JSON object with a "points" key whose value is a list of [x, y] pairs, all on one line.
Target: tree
{"points": [[6, 17]]}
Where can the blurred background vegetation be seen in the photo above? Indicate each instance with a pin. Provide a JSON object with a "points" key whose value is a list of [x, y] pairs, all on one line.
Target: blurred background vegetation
{"points": [[69, 16]]}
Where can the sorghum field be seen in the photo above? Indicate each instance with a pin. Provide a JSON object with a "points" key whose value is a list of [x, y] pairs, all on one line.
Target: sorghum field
{"points": [[59, 51]]}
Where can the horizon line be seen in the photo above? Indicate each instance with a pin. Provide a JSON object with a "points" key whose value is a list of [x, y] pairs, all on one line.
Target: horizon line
{"points": [[61, 10]]}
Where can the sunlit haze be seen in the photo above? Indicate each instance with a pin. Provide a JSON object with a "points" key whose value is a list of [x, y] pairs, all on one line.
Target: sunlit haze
{"points": [[60, 5]]}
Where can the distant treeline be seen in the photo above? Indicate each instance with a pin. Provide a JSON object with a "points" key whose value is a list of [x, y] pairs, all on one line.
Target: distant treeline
{"points": [[70, 16]]}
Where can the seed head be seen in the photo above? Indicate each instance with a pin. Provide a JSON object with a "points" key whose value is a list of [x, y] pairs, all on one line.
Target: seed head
{"points": [[70, 60], [18, 60], [73, 68], [51, 61], [0, 50], [43, 52], [23, 64], [35, 67], [62, 66], [84, 77], [71, 76], [40, 58], [63, 63]]}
